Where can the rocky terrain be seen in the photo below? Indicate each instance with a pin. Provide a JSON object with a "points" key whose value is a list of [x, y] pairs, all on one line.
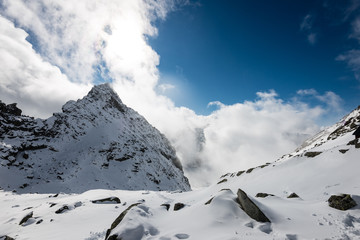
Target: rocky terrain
{"points": [[95, 142], [312, 193]]}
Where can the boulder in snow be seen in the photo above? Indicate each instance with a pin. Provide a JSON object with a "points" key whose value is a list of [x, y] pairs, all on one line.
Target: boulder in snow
{"points": [[341, 202], [250, 208], [263, 195], [27, 217], [117, 222]]}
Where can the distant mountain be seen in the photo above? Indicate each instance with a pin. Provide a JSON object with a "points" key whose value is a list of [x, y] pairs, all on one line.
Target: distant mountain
{"points": [[95, 142]]}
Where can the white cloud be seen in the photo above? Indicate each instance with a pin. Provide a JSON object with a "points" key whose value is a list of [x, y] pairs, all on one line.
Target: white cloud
{"points": [[165, 87], [37, 86], [71, 39]]}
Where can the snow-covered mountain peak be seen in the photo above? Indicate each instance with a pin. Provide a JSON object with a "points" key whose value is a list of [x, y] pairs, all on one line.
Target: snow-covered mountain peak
{"points": [[95, 142]]}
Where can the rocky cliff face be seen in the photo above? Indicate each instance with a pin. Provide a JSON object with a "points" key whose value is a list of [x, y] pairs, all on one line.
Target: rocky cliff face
{"points": [[95, 142]]}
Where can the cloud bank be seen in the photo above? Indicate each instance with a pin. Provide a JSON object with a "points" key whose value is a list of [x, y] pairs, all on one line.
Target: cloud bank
{"points": [[54, 51]]}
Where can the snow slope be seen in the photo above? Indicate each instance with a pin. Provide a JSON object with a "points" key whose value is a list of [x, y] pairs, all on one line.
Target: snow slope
{"points": [[327, 164], [96, 142]]}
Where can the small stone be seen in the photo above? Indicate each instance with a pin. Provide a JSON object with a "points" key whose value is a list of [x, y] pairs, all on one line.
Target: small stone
{"points": [[293, 195]]}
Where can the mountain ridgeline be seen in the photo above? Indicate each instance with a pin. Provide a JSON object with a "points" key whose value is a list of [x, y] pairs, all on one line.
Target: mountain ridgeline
{"points": [[95, 142]]}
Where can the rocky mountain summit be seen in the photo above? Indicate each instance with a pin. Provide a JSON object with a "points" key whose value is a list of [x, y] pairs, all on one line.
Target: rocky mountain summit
{"points": [[95, 142]]}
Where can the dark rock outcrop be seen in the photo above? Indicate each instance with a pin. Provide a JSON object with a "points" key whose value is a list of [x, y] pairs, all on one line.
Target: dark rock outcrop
{"points": [[178, 206], [222, 181], [6, 238], [10, 109], [62, 209], [166, 205], [312, 154], [117, 222], [114, 200], [250, 208], [27, 217], [263, 195], [293, 195], [341, 202]]}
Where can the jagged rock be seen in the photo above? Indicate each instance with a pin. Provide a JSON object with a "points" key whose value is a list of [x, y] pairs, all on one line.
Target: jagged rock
{"points": [[107, 200], [341, 202], [178, 206], [293, 195], [10, 109], [27, 217], [250, 208], [117, 222], [263, 195], [222, 181]]}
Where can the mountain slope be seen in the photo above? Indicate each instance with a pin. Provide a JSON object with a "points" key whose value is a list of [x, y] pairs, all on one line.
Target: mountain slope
{"points": [[323, 167], [95, 142]]}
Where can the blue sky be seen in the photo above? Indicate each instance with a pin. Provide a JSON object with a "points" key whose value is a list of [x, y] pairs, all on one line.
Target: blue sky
{"points": [[276, 71], [227, 52]]}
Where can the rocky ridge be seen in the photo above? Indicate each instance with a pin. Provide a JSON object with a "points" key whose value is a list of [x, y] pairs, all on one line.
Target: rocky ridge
{"points": [[95, 142]]}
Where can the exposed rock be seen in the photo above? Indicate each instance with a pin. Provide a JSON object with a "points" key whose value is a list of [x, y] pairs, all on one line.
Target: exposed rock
{"points": [[341, 202], [293, 195], [6, 238], [263, 195], [354, 142], [117, 222], [10, 109], [250, 170], [45, 147], [343, 150], [107, 200], [312, 154], [209, 201], [250, 208], [166, 205], [222, 181], [27, 217], [62, 209], [239, 173], [178, 206]]}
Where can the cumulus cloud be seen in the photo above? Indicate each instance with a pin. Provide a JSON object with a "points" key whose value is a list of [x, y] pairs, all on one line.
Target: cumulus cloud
{"points": [[58, 49], [29, 80]]}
